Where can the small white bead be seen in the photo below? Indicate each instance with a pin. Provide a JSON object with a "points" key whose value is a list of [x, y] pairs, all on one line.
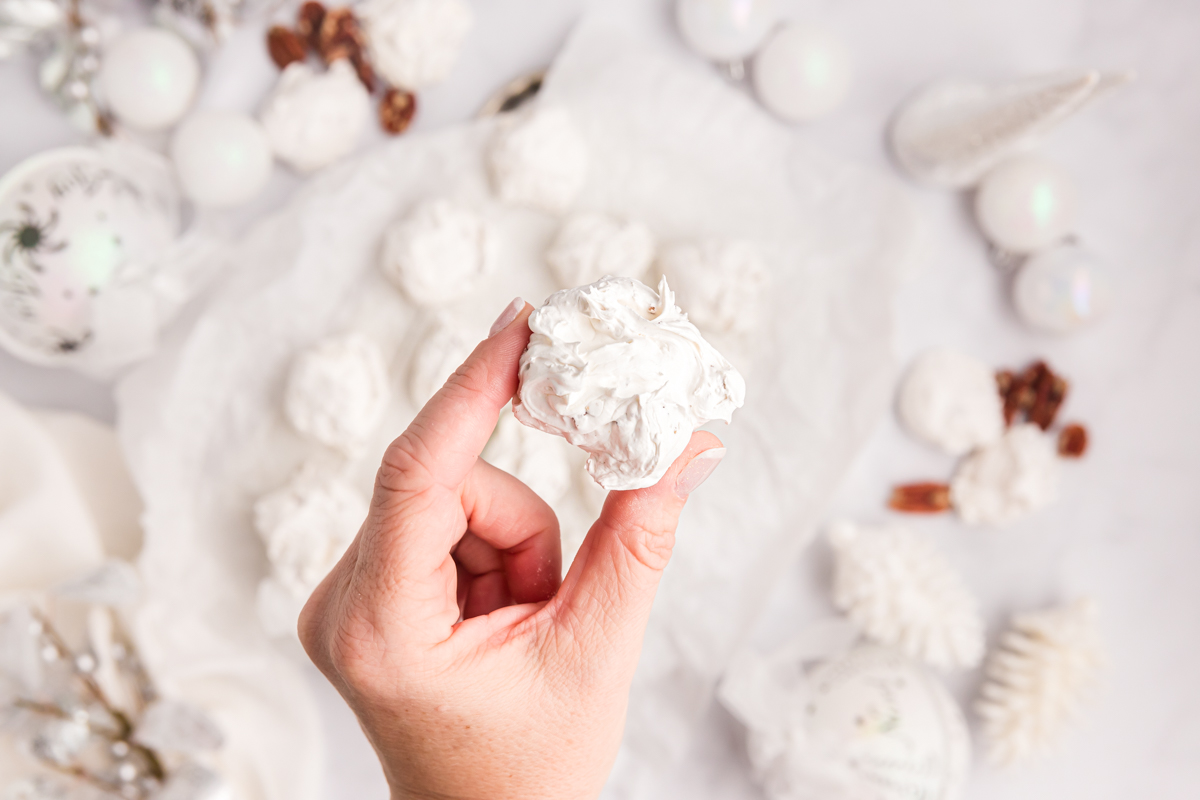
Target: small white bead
{"points": [[803, 72], [223, 158], [1062, 289], [1026, 204], [149, 78], [725, 30]]}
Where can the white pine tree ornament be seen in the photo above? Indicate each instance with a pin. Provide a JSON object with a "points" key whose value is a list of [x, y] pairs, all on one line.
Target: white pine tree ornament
{"points": [[1038, 677], [901, 591]]}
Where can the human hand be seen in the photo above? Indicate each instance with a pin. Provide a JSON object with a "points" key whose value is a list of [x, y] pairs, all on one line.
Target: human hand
{"points": [[472, 671]]}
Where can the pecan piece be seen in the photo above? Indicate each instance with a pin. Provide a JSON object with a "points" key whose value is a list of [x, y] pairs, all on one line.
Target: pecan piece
{"points": [[920, 498], [308, 22], [1004, 381], [1050, 392], [1018, 394], [285, 46], [1035, 394], [366, 72], [339, 36], [1073, 441], [396, 110]]}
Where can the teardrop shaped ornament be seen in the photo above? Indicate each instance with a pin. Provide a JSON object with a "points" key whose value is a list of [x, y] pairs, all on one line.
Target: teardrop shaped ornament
{"points": [[954, 131]]}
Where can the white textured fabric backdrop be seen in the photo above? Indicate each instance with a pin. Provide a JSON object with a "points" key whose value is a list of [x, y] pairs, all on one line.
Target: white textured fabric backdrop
{"points": [[1127, 529]]}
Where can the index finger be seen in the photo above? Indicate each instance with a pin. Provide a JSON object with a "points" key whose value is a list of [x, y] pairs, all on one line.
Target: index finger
{"points": [[442, 444]]}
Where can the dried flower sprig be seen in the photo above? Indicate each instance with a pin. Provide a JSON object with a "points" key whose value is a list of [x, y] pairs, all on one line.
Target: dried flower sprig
{"points": [[79, 731]]}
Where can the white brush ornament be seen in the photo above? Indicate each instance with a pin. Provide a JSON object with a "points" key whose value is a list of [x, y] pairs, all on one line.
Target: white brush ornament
{"points": [[899, 590], [953, 132], [1038, 677]]}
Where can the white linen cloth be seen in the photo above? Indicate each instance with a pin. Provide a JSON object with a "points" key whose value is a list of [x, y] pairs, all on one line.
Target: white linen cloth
{"points": [[67, 504]]}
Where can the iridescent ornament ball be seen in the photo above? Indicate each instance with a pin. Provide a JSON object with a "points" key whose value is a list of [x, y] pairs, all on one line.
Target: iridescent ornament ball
{"points": [[149, 77], [725, 30], [1062, 289], [1026, 204], [222, 158], [802, 72]]}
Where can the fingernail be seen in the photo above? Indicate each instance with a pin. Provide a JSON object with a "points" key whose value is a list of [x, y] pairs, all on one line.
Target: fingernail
{"points": [[698, 470], [506, 316]]}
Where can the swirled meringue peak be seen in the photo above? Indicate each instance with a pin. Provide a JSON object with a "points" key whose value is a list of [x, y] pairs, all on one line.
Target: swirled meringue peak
{"points": [[617, 369]]}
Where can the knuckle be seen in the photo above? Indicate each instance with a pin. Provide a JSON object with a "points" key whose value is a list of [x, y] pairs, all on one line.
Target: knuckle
{"points": [[647, 547], [351, 651], [404, 464], [310, 630], [474, 377]]}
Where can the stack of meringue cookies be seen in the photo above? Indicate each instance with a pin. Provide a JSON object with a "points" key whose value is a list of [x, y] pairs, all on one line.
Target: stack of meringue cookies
{"points": [[613, 366]]}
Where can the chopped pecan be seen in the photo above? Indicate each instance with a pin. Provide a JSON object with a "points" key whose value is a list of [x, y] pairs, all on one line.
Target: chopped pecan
{"points": [[1073, 441], [1048, 392], [362, 66], [285, 46], [308, 22], [1018, 395], [1004, 381], [396, 110], [339, 36], [1036, 393], [920, 498]]}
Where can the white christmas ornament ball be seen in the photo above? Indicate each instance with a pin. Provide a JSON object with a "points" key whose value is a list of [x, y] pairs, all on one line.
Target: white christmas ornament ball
{"points": [[892, 723], [725, 30], [1026, 204], [1062, 289], [222, 158], [803, 72], [149, 77]]}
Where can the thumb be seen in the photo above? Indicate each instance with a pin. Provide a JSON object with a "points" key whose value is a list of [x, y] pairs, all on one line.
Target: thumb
{"points": [[608, 593]]}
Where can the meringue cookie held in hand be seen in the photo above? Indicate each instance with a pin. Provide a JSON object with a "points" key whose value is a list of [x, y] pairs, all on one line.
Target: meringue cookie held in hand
{"points": [[617, 370]]}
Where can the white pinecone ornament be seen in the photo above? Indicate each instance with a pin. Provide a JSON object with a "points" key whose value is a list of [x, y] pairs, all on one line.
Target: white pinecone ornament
{"points": [[1038, 677], [901, 591]]}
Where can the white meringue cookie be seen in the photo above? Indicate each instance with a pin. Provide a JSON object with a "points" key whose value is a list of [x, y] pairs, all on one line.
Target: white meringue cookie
{"points": [[438, 252], [441, 352], [616, 369], [951, 401], [537, 461], [541, 160], [337, 391], [590, 246], [718, 283], [1007, 479], [313, 119], [415, 43], [306, 526]]}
